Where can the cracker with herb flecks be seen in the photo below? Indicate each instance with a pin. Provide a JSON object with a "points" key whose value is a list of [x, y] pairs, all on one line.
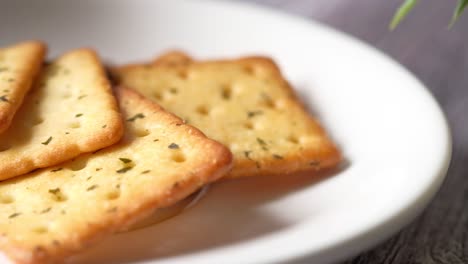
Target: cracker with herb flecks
{"points": [[55, 212], [69, 111], [19, 65], [245, 104]]}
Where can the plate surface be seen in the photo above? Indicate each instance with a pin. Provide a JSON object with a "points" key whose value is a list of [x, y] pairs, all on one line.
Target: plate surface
{"points": [[392, 132]]}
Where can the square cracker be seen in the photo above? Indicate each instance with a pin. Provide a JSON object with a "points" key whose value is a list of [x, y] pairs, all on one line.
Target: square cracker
{"points": [[245, 104], [69, 111], [50, 214], [19, 65]]}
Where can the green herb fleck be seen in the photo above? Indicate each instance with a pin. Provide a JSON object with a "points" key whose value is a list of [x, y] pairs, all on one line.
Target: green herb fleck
{"points": [[14, 215], [145, 172], [257, 164], [57, 194], [125, 160], [78, 115], [276, 156], [82, 96], [3, 98], [92, 187], [135, 117], [98, 169], [226, 94], [54, 191], [104, 126], [262, 143], [251, 114], [46, 210], [128, 165], [173, 90], [124, 169], [47, 141], [155, 140], [247, 154], [173, 146]]}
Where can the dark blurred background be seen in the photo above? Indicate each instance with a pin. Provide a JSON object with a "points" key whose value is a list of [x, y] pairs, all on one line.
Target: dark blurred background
{"points": [[438, 57]]}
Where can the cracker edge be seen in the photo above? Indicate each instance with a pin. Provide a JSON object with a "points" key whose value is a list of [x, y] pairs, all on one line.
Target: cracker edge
{"points": [[206, 174], [172, 58], [115, 128], [6, 117]]}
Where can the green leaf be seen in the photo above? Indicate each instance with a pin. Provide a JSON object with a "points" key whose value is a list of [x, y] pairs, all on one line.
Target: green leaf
{"points": [[402, 12], [458, 11]]}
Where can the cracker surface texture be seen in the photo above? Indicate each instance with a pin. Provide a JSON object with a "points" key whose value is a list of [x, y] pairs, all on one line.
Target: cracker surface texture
{"points": [[245, 104], [19, 65], [69, 111], [55, 212]]}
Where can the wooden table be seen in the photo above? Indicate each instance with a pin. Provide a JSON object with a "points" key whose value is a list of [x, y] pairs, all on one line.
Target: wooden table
{"points": [[439, 57]]}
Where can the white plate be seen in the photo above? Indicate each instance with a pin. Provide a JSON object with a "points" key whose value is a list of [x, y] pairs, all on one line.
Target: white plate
{"points": [[390, 129]]}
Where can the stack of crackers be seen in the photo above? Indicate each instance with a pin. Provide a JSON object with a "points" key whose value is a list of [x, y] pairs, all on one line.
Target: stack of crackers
{"points": [[81, 158]]}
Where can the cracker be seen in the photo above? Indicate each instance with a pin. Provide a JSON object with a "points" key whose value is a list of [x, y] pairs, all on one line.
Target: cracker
{"points": [[245, 104], [57, 211], [19, 65], [69, 111], [173, 58]]}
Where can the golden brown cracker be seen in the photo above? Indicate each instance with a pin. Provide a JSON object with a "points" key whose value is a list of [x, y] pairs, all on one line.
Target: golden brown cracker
{"points": [[55, 212], [69, 111], [245, 104], [19, 65]]}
